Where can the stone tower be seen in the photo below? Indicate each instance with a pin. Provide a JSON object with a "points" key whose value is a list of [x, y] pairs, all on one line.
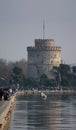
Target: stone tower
{"points": [[42, 57]]}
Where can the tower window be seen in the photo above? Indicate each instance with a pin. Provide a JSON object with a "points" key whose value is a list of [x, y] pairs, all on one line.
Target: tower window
{"points": [[38, 71], [52, 61], [55, 55]]}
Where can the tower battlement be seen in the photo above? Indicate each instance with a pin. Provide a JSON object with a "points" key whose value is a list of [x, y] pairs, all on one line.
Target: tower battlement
{"points": [[44, 42], [44, 48]]}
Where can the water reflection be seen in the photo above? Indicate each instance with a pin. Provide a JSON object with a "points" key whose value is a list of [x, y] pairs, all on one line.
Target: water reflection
{"points": [[34, 113]]}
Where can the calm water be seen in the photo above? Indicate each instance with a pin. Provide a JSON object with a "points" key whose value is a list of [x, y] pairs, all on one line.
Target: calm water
{"points": [[34, 113]]}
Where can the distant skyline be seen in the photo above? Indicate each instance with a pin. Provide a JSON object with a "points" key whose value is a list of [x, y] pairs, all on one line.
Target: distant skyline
{"points": [[21, 21]]}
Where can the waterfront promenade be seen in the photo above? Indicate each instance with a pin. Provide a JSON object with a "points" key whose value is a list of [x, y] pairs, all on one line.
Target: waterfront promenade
{"points": [[5, 111], [3, 106]]}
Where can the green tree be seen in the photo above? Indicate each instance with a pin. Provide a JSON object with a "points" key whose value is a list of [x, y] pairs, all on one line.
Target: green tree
{"points": [[57, 75], [30, 83], [63, 75], [43, 80], [17, 75], [74, 69]]}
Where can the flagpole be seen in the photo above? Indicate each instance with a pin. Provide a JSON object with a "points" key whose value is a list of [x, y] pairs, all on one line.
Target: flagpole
{"points": [[43, 29]]}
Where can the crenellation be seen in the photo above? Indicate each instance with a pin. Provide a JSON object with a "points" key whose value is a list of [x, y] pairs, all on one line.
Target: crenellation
{"points": [[46, 48]]}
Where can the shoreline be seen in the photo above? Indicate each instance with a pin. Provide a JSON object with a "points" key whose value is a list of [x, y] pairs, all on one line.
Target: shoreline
{"points": [[51, 92]]}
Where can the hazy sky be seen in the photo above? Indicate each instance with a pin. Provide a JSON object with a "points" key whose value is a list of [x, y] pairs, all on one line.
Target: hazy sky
{"points": [[21, 21]]}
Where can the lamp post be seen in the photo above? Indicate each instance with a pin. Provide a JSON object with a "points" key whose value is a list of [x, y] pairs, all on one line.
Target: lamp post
{"points": [[59, 80]]}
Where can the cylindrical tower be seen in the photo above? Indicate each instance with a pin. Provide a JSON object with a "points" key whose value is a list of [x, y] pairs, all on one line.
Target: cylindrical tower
{"points": [[44, 42], [42, 57]]}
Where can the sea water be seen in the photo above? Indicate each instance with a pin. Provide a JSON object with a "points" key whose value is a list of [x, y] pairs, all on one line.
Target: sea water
{"points": [[32, 112]]}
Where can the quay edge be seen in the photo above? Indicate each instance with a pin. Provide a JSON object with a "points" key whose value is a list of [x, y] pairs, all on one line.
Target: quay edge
{"points": [[6, 113]]}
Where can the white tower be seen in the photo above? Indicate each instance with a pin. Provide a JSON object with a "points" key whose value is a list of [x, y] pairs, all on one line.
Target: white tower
{"points": [[42, 57]]}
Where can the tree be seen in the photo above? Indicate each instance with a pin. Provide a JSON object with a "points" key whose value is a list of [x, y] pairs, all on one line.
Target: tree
{"points": [[12, 72], [43, 80], [23, 65], [57, 75], [30, 83], [64, 69], [17, 75], [63, 76], [74, 69], [5, 71]]}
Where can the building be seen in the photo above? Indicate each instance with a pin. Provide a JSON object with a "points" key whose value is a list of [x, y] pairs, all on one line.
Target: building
{"points": [[42, 57]]}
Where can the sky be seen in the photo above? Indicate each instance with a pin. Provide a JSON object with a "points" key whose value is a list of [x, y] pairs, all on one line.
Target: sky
{"points": [[21, 22]]}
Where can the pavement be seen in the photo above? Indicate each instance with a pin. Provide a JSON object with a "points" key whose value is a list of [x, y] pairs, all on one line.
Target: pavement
{"points": [[3, 105]]}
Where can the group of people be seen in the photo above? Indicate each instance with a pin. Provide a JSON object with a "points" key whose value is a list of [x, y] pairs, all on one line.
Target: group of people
{"points": [[5, 93]]}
